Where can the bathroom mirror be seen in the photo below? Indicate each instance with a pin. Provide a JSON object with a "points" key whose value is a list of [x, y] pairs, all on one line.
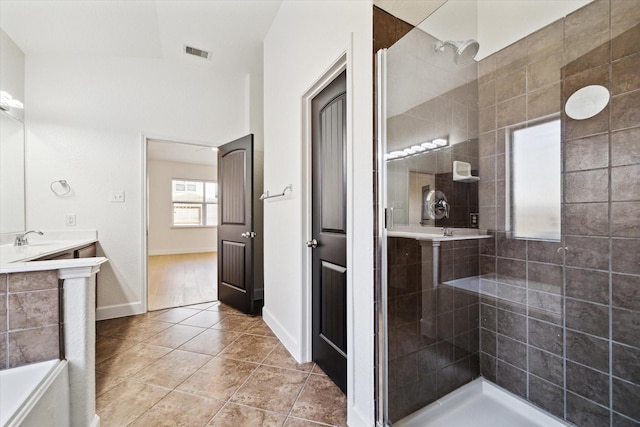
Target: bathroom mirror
{"points": [[12, 199], [410, 179]]}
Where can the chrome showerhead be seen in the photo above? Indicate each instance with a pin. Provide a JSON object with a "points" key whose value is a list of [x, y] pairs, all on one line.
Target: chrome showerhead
{"points": [[464, 51]]}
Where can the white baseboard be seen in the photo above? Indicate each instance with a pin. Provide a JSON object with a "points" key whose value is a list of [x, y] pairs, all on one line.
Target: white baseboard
{"points": [[355, 418], [96, 421], [119, 310], [181, 251], [283, 335]]}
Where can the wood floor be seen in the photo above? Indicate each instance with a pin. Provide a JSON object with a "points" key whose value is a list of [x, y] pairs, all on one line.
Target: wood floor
{"points": [[182, 279]]}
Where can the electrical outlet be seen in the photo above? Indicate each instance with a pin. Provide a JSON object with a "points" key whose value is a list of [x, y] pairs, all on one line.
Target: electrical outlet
{"points": [[116, 197], [70, 220]]}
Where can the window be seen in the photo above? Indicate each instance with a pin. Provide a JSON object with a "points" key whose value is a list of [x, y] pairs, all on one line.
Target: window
{"points": [[195, 203], [535, 180]]}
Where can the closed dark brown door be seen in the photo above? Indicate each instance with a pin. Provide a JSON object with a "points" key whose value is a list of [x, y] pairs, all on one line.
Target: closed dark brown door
{"points": [[329, 227], [236, 234]]}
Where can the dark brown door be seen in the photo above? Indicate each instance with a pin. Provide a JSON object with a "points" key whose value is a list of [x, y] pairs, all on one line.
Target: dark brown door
{"points": [[236, 234], [329, 227]]}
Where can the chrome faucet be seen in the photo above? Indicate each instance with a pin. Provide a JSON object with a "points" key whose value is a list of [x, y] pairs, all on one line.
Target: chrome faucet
{"points": [[21, 239], [447, 232]]}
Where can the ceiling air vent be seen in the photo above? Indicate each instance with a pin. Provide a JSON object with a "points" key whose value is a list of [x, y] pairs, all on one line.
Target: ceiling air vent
{"points": [[197, 52]]}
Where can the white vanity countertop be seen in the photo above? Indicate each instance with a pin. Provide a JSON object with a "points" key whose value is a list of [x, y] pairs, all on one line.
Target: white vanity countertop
{"points": [[60, 264], [435, 234], [50, 243]]}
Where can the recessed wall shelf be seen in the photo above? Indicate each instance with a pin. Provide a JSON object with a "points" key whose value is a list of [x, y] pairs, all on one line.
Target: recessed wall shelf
{"points": [[462, 172]]}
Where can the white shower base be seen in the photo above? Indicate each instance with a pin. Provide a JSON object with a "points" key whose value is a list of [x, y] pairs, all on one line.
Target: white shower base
{"points": [[480, 404]]}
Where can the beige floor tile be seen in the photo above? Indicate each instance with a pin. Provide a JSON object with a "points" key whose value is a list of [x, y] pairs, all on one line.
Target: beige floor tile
{"points": [[130, 361], [271, 389], [176, 315], [105, 382], [126, 402], [175, 336], [133, 377], [242, 416], [219, 378], [261, 328], [170, 370], [218, 306], [203, 306], [106, 328], [204, 319], [250, 348], [236, 323], [318, 371], [211, 341], [179, 409], [281, 358], [321, 400], [140, 330], [107, 347], [297, 422]]}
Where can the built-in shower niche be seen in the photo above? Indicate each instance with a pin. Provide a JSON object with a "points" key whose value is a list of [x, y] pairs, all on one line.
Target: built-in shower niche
{"points": [[433, 330]]}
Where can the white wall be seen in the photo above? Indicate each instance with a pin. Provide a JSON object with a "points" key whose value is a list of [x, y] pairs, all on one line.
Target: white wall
{"points": [[12, 72], [163, 238], [502, 23], [85, 124], [305, 39], [12, 210]]}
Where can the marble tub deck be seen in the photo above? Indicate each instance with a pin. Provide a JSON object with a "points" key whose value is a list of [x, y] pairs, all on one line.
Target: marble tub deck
{"points": [[206, 365]]}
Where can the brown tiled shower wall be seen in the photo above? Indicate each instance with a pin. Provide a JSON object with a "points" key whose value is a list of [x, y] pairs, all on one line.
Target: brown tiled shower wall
{"points": [[433, 330], [29, 318], [561, 327]]}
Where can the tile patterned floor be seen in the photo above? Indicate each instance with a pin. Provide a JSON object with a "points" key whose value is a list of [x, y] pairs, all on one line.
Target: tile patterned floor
{"points": [[206, 365]]}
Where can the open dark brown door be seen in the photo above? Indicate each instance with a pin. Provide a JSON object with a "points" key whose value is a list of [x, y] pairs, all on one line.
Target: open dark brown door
{"points": [[329, 227], [238, 281]]}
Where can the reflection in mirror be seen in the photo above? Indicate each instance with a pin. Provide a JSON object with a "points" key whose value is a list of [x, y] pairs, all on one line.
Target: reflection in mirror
{"points": [[535, 181], [410, 179], [12, 200], [420, 184]]}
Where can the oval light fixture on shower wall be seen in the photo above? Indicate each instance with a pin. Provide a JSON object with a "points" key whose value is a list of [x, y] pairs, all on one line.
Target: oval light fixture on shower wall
{"points": [[587, 102]]}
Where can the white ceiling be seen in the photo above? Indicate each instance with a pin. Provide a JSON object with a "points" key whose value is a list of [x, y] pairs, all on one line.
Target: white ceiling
{"points": [[182, 153], [232, 29]]}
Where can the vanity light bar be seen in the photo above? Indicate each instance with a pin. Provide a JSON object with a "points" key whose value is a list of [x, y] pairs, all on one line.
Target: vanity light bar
{"points": [[7, 101], [440, 142], [416, 149]]}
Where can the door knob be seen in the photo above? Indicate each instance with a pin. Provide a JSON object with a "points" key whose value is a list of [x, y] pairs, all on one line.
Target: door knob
{"points": [[248, 235], [313, 243]]}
